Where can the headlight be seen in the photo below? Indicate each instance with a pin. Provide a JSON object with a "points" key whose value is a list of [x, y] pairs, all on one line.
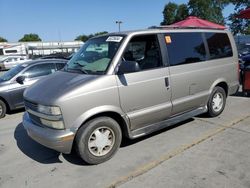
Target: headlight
{"points": [[49, 110], [52, 124]]}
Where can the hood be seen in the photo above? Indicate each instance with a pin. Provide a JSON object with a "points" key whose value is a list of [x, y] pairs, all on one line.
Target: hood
{"points": [[50, 89]]}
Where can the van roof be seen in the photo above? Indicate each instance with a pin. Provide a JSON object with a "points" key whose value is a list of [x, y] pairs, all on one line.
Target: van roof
{"points": [[163, 29]]}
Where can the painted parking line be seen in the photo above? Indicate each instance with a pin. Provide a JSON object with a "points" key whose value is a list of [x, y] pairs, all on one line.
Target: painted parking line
{"points": [[147, 167]]}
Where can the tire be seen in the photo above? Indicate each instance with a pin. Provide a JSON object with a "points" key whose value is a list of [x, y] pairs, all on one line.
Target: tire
{"points": [[2, 109], [217, 102], [98, 140]]}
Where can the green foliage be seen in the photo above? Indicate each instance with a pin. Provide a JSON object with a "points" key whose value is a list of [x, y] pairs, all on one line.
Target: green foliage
{"points": [[101, 33], [182, 12], [3, 39], [210, 10], [206, 9], [173, 13], [30, 37], [84, 38], [238, 25]]}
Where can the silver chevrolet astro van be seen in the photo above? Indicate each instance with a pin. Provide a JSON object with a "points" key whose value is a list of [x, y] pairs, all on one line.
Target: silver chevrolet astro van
{"points": [[130, 84]]}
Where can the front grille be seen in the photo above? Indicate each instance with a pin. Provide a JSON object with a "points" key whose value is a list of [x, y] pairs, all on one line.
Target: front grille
{"points": [[36, 120], [32, 106]]}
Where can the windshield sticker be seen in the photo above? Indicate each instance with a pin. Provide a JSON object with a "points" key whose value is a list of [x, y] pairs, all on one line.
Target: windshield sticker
{"points": [[114, 39], [168, 39]]}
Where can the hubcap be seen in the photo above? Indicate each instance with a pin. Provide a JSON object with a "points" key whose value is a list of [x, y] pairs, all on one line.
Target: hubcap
{"points": [[217, 102], [101, 141]]}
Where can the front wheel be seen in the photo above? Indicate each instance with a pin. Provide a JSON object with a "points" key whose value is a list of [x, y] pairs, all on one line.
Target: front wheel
{"points": [[98, 140], [2, 109], [217, 102]]}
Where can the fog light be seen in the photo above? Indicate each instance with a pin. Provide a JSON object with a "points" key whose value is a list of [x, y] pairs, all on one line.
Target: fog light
{"points": [[52, 124]]}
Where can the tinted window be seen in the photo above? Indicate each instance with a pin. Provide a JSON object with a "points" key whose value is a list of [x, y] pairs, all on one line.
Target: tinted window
{"points": [[40, 70], [59, 66], [12, 72], [145, 51], [10, 51], [185, 48], [219, 45]]}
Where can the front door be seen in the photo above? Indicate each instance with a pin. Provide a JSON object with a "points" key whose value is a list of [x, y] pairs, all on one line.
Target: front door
{"points": [[145, 95]]}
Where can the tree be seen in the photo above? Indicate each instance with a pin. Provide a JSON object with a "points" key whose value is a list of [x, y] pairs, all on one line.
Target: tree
{"points": [[3, 39], [210, 10], [238, 25], [30, 37], [182, 12], [173, 13], [101, 33], [84, 38]]}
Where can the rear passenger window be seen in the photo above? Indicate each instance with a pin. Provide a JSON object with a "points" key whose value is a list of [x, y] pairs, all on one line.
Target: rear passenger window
{"points": [[219, 45], [184, 48]]}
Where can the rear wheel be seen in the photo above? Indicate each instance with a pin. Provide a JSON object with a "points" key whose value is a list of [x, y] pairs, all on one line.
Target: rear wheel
{"points": [[2, 109], [217, 102], [98, 140]]}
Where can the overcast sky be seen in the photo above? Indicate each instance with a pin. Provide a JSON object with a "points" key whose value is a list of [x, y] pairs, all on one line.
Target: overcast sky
{"points": [[55, 20]]}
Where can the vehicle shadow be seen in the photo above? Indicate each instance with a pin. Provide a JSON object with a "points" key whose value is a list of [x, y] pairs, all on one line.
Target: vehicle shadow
{"points": [[15, 111], [240, 94], [34, 150], [45, 155], [127, 142], [41, 153]]}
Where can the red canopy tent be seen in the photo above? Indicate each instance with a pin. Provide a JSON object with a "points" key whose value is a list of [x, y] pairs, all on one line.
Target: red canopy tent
{"points": [[244, 14], [193, 21]]}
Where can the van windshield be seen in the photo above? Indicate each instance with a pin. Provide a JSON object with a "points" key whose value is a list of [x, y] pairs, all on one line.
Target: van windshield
{"points": [[95, 55]]}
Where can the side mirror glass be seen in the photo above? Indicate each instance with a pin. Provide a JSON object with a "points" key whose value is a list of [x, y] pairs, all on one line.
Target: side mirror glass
{"points": [[20, 79], [128, 67]]}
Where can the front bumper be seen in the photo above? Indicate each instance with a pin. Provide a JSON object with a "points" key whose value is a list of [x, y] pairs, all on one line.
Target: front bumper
{"points": [[59, 140]]}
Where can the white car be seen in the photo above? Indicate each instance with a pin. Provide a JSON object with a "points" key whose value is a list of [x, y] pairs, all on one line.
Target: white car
{"points": [[8, 62]]}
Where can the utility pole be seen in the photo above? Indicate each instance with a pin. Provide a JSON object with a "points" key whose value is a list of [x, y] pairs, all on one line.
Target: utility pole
{"points": [[119, 24]]}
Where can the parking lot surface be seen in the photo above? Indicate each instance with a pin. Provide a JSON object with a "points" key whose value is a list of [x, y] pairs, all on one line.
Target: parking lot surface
{"points": [[2, 72], [200, 152]]}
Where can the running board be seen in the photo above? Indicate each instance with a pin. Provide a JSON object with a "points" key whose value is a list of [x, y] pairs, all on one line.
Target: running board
{"points": [[166, 123]]}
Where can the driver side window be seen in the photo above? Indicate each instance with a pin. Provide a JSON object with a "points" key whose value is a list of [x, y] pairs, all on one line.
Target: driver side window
{"points": [[145, 51]]}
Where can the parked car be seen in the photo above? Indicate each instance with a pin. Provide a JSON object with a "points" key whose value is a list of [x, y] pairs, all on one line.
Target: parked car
{"points": [[130, 84], [8, 62], [16, 80]]}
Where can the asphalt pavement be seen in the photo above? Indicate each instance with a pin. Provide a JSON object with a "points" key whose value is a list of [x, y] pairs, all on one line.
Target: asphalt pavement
{"points": [[2, 72], [200, 152]]}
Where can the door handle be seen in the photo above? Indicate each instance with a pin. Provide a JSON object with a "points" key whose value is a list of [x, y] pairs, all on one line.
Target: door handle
{"points": [[167, 82]]}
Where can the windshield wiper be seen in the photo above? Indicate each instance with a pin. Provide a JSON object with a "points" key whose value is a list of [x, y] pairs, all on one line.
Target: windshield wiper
{"points": [[66, 68], [81, 65]]}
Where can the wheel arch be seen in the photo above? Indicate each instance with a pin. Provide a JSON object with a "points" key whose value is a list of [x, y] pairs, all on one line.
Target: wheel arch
{"points": [[8, 108], [114, 113], [221, 83]]}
